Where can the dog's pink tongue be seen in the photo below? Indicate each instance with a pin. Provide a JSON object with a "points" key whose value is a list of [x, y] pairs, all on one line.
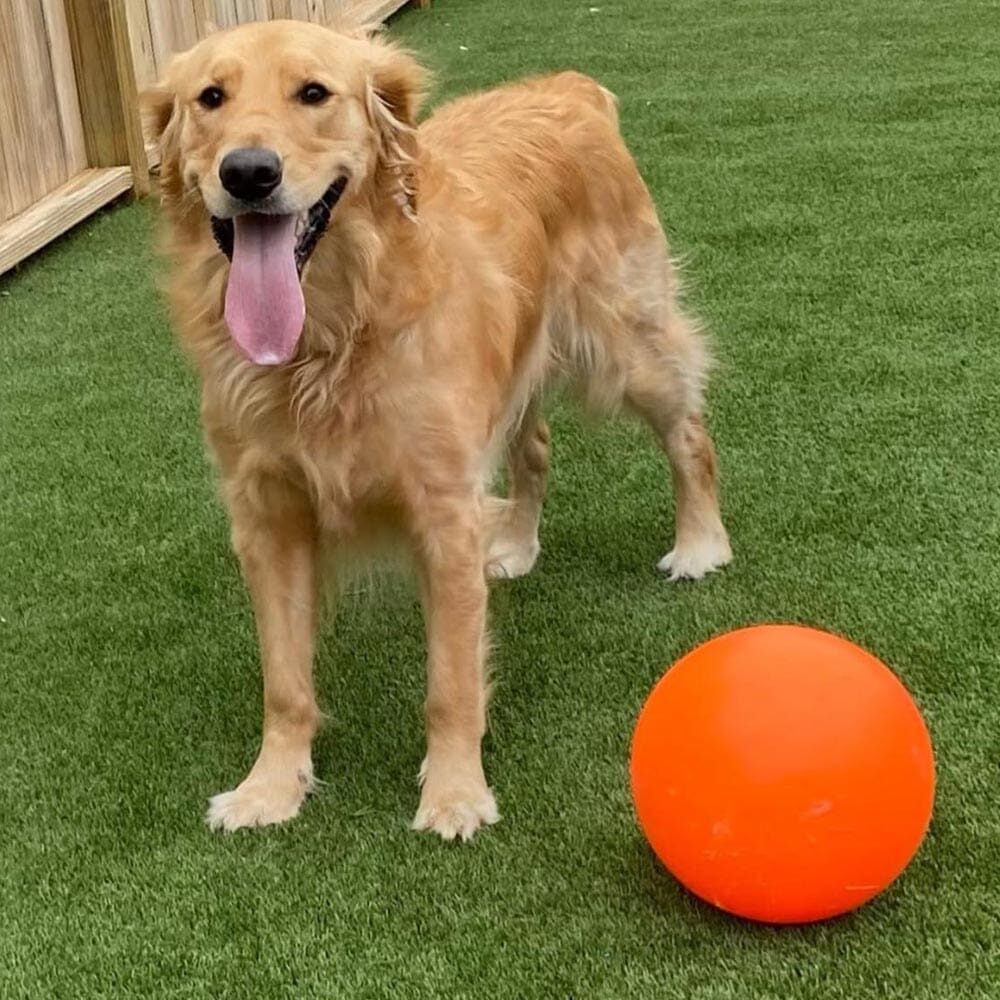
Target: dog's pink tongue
{"points": [[265, 309]]}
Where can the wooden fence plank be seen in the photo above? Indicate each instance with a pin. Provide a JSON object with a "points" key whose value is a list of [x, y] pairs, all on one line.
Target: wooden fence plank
{"points": [[192, 18], [58, 211], [68, 102], [175, 26], [100, 93], [141, 36], [105, 76], [316, 12], [205, 20], [41, 102], [252, 10], [15, 186], [129, 97], [34, 156], [225, 13]]}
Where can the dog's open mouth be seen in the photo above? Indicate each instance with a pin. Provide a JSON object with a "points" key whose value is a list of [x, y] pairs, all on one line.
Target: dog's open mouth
{"points": [[265, 307], [310, 226]]}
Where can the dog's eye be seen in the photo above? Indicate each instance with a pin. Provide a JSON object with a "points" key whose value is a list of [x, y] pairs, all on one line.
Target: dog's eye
{"points": [[211, 98], [313, 93]]}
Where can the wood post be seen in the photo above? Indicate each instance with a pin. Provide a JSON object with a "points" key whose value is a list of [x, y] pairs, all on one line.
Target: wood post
{"points": [[105, 76]]}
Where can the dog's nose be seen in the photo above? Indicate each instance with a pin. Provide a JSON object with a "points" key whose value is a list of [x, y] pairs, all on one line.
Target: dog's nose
{"points": [[250, 174]]}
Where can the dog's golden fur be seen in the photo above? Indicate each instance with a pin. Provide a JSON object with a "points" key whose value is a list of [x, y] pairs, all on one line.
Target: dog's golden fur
{"points": [[506, 240]]}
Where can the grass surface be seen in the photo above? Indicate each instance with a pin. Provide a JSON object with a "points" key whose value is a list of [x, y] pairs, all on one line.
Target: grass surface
{"points": [[829, 173]]}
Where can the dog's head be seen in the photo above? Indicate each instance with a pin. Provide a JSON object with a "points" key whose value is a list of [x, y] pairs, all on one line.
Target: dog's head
{"points": [[263, 128]]}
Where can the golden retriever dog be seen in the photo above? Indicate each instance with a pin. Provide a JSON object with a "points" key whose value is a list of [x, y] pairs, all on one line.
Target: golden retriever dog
{"points": [[373, 308]]}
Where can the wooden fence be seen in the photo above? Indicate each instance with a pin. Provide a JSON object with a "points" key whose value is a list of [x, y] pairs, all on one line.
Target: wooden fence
{"points": [[160, 28], [70, 72]]}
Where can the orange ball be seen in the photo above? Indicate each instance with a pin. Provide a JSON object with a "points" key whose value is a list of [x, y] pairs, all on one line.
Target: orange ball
{"points": [[782, 774]]}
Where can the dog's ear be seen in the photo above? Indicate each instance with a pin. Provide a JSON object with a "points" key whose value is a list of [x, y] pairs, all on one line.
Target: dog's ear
{"points": [[157, 105], [397, 84], [160, 113]]}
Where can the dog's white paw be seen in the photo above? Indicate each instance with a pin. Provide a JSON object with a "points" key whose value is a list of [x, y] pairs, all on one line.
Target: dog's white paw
{"points": [[456, 812], [259, 803], [693, 560], [510, 558]]}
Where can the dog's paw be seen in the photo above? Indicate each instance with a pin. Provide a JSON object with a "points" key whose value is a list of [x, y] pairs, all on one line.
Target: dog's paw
{"points": [[259, 803], [510, 558], [693, 560], [456, 813]]}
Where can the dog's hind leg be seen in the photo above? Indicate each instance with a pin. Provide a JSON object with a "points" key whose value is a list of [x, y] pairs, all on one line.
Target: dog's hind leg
{"points": [[514, 545], [664, 386], [701, 544], [633, 344]]}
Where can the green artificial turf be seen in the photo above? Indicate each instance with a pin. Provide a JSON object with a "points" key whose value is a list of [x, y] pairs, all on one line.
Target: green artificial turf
{"points": [[828, 173]]}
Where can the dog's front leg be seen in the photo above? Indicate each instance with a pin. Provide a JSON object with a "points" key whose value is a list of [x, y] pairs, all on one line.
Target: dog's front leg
{"points": [[275, 539], [455, 800]]}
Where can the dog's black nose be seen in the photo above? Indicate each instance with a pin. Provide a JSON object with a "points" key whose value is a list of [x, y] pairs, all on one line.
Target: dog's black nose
{"points": [[250, 174]]}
